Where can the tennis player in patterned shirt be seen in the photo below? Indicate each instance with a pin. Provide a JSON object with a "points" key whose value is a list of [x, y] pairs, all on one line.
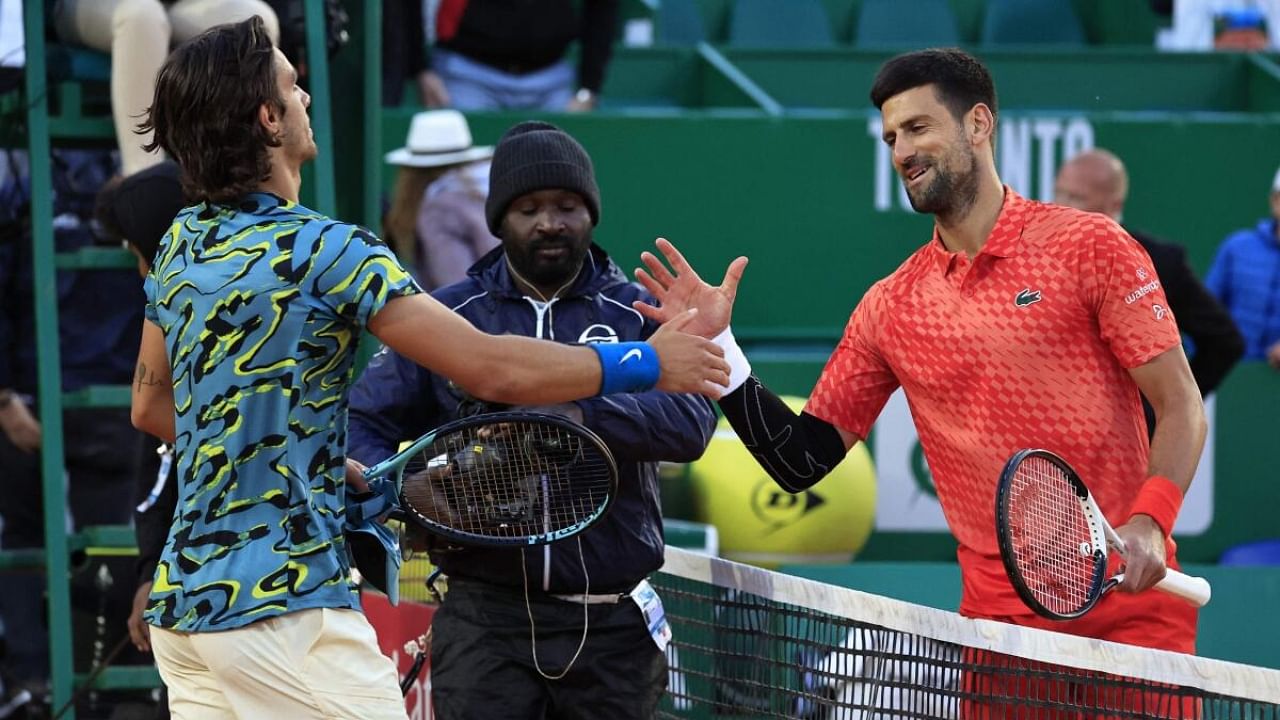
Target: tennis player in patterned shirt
{"points": [[1019, 324], [254, 307]]}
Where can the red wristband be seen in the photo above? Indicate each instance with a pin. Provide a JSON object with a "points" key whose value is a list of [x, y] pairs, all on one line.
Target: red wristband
{"points": [[1160, 499]]}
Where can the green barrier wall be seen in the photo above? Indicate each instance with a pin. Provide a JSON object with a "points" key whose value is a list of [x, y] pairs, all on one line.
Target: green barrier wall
{"points": [[705, 159], [1136, 80], [1229, 627], [812, 201], [798, 195]]}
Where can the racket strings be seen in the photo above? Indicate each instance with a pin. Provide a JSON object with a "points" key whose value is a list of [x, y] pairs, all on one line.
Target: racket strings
{"points": [[511, 480], [1051, 537]]}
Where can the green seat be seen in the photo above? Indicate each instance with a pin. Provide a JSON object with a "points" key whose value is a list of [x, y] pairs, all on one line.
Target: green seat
{"points": [[1032, 22], [780, 24], [678, 22], [896, 24]]}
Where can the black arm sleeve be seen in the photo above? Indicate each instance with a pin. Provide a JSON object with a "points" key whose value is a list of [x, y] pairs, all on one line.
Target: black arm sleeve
{"points": [[796, 450]]}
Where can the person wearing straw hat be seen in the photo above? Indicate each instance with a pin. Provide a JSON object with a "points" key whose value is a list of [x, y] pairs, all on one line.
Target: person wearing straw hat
{"points": [[436, 221]]}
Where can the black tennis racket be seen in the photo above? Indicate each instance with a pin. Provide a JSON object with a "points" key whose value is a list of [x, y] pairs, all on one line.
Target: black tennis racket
{"points": [[1054, 540], [504, 479]]}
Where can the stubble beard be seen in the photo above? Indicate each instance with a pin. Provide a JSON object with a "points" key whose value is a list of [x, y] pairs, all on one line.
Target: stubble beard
{"points": [[949, 195]]}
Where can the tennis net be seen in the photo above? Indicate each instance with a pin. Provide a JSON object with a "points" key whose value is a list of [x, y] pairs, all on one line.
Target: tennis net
{"points": [[750, 643]]}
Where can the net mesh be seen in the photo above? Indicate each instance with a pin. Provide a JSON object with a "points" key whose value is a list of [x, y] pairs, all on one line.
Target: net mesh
{"points": [[750, 643]]}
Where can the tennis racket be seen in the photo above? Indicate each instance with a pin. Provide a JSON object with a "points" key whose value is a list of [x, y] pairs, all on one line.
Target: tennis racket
{"points": [[504, 479], [1054, 540]]}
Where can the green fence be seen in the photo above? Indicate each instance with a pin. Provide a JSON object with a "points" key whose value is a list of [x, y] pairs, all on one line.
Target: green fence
{"points": [[812, 200]]}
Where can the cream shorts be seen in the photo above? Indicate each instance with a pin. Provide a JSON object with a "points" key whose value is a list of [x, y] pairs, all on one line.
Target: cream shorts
{"points": [[316, 663]]}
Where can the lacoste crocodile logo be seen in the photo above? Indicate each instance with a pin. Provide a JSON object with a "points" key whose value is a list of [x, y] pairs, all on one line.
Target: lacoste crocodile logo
{"points": [[1026, 297]]}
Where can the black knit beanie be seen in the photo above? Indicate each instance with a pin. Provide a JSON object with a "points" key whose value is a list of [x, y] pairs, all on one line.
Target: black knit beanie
{"points": [[538, 156]]}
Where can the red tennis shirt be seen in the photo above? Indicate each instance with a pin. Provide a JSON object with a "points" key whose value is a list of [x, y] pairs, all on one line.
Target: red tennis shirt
{"points": [[1026, 345]]}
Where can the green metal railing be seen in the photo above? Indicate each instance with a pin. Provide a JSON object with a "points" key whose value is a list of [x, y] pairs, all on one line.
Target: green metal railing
{"points": [[50, 361]]}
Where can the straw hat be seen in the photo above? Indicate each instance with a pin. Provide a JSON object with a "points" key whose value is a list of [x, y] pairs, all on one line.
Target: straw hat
{"points": [[436, 138]]}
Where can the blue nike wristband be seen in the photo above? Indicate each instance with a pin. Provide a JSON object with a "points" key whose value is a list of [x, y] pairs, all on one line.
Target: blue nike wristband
{"points": [[627, 367]]}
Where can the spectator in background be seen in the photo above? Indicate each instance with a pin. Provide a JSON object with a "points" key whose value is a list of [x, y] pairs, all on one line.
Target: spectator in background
{"points": [[436, 221], [1096, 181], [138, 34], [99, 318], [404, 55], [497, 54], [1245, 276], [1200, 25]]}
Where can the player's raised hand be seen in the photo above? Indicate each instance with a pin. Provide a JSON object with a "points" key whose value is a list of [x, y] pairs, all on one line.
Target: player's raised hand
{"points": [[679, 288], [690, 363]]}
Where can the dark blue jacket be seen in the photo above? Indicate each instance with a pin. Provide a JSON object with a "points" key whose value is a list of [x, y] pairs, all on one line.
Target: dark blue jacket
{"points": [[99, 311], [397, 400]]}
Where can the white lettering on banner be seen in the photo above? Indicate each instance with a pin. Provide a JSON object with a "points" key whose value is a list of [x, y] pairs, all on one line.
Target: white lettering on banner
{"points": [[1077, 137], [1014, 149], [905, 496], [1047, 132], [1026, 149]]}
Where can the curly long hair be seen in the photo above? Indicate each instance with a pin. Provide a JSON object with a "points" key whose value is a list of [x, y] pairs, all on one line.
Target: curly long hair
{"points": [[205, 110]]}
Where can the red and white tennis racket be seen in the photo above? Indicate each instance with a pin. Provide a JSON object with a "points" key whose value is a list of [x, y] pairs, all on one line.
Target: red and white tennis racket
{"points": [[1054, 540]]}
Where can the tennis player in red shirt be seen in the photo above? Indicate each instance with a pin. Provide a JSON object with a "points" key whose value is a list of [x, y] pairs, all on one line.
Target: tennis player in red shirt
{"points": [[1019, 324]]}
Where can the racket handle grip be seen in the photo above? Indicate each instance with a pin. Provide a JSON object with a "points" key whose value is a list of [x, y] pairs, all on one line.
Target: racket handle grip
{"points": [[1194, 590]]}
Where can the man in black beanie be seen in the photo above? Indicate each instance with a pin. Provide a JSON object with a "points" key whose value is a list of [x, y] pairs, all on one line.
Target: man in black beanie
{"points": [[558, 631]]}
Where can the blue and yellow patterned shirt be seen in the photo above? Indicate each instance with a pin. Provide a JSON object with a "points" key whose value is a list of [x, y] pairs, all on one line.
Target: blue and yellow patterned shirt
{"points": [[262, 305]]}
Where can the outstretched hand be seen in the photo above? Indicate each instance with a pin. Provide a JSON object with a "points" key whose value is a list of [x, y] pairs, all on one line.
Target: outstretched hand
{"points": [[680, 288], [690, 363]]}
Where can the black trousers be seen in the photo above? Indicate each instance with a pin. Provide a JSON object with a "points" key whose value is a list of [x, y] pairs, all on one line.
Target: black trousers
{"points": [[100, 464], [482, 665]]}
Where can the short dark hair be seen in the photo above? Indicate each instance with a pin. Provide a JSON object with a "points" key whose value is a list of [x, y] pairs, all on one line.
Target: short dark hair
{"points": [[961, 80], [205, 110]]}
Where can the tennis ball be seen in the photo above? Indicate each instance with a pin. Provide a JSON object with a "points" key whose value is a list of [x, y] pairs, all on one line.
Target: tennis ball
{"points": [[762, 524]]}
